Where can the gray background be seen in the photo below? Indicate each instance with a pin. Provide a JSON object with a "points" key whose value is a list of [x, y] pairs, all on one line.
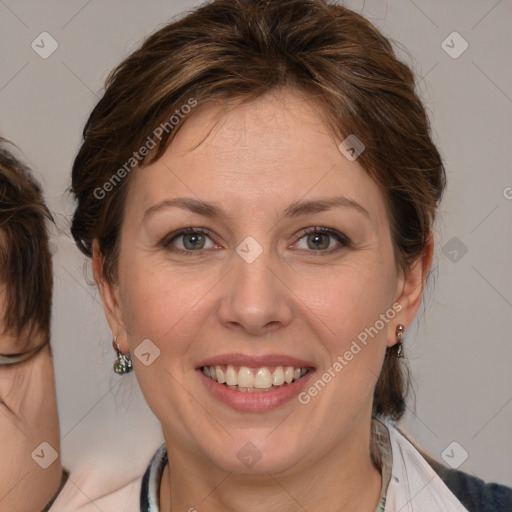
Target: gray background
{"points": [[460, 347]]}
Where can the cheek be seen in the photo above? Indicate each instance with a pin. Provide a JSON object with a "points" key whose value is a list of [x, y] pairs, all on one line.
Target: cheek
{"points": [[353, 316], [348, 299], [163, 304]]}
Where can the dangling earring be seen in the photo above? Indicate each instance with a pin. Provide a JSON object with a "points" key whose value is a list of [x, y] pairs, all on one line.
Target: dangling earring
{"points": [[399, 342], [123, 363]]}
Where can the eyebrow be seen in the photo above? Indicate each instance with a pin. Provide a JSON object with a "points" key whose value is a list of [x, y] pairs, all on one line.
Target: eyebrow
{"points": [[296, 209]]}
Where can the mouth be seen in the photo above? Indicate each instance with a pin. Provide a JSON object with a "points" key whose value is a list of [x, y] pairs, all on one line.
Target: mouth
{"points": [[255, 380]]}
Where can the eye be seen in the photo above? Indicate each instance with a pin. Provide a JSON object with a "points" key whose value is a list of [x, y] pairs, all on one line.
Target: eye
{"points": [[188, 240], [319, 239], [194, 240]]}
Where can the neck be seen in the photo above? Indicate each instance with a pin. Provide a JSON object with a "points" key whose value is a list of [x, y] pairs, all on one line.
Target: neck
{"points": [[344, 479]]}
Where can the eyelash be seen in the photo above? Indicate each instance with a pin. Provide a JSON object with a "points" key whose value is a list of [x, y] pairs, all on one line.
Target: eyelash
{"points": [[340, 238]]}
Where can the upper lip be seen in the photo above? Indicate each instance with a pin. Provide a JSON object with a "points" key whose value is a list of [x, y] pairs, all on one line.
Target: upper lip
{"points": [[256, 361]]}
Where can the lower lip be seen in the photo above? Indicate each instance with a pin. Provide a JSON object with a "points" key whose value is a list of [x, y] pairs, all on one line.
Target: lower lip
{"points": [[257, 401]]}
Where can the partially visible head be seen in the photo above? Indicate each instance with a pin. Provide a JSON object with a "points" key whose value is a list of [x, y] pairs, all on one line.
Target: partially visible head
{"points": [[196, 101], [26, 277], [28, 404]]}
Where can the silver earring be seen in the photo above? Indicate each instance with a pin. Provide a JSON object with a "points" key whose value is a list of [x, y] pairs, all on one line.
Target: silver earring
{"points": [[123, 363], [399, 342]]}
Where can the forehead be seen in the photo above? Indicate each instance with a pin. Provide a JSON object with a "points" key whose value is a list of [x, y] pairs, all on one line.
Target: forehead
{"points": [[260, 154]]}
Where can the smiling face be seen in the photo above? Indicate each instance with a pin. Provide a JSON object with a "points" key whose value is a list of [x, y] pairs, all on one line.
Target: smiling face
{"points": [[256, 288]]}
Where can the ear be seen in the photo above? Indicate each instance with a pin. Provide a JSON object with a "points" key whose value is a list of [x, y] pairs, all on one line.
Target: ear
{"points": [[409, 290], [110, 298]]}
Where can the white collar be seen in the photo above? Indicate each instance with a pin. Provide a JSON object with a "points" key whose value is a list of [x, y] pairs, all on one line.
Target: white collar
{"points": [[414, 485]]}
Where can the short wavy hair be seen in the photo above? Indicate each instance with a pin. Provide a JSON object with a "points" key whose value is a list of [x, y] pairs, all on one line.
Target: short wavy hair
{"points": [[25, 260]]}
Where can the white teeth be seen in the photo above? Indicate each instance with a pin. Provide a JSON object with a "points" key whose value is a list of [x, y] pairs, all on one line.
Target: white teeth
{"points": [[231, 376], [263, 379], [278, 376], [220, 375], [247, 378]]}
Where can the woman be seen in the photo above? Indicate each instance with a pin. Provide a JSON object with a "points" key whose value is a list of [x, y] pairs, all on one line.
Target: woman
{"points": [[256, 190], [30, 467]]}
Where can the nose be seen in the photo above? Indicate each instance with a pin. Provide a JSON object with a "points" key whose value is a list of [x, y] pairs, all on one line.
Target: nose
{"points": [[255, 298]]}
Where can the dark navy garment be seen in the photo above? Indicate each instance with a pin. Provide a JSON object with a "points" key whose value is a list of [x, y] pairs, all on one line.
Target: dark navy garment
{"points": [[472, 492]]}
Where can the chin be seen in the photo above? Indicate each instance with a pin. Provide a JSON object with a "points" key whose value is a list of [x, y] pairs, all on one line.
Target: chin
{"points": [[256, 456]]}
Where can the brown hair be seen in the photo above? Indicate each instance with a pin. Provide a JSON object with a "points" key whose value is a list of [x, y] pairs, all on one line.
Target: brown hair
{"points": [[240, 50], [25, 259]]}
